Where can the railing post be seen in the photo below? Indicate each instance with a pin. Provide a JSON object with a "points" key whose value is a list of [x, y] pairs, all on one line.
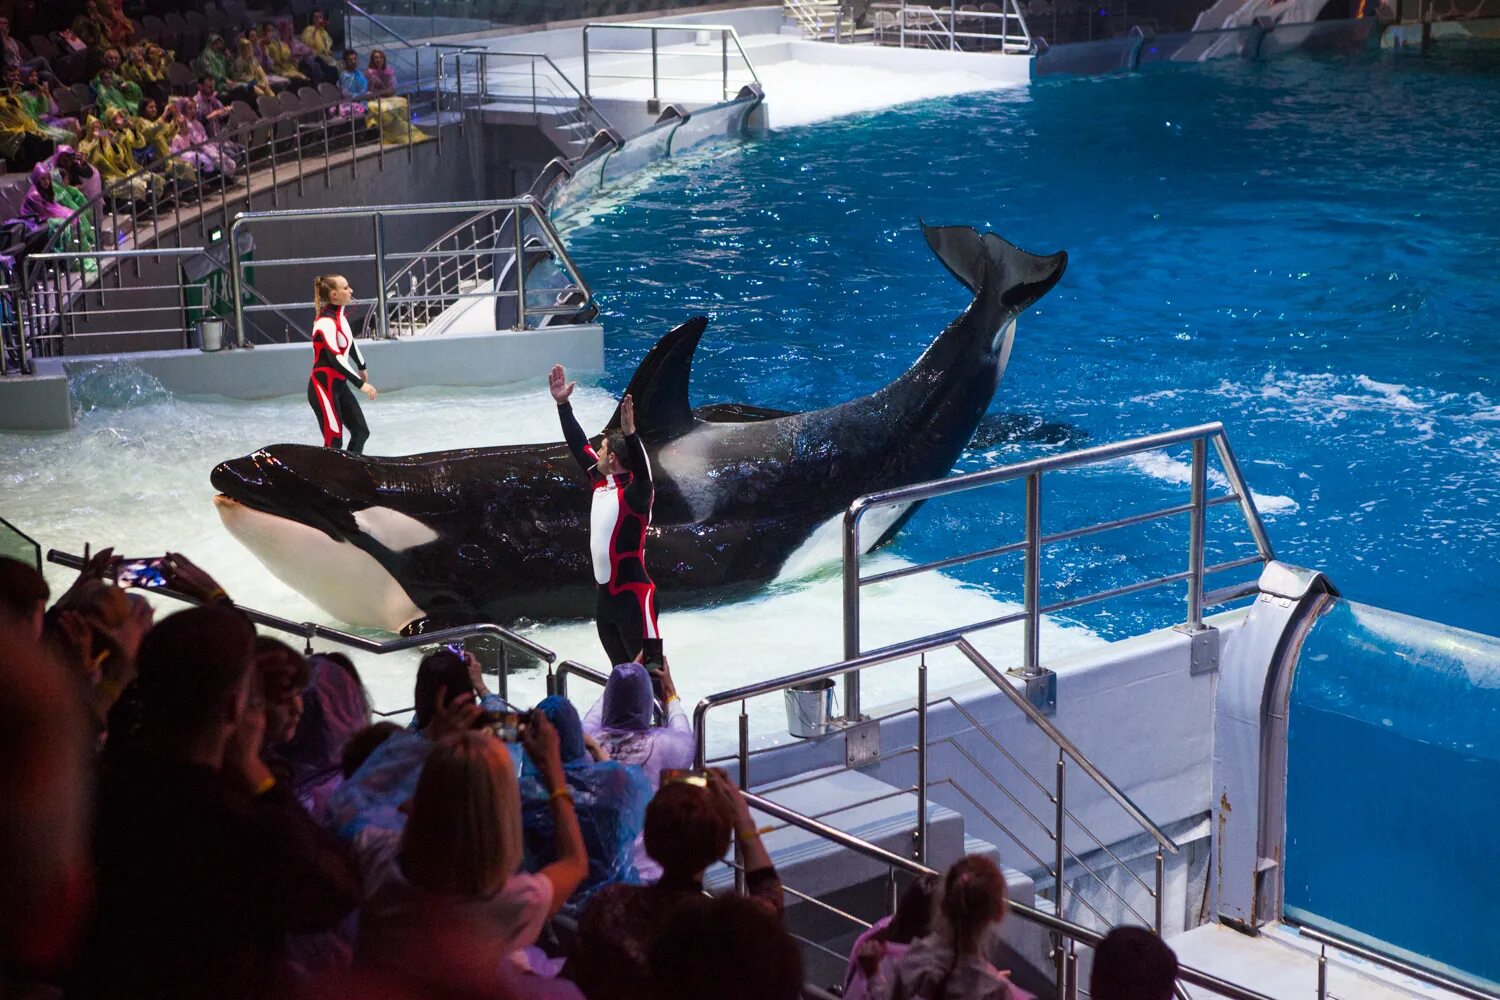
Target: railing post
{"points": [[182, 302], [23, 300], [1195, 536], [1070, 991], [892, 892], [1059, 883], [520, 258], [739, 850], [586, 91], [1031, 642], [234, 284], [380, 277], [437, 100], [851, 610], [922, 759], [655, 95], [1160, 885], [1323, 972], [724, 74]]}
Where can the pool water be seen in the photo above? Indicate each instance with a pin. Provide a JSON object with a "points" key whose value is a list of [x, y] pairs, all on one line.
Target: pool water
{"points": [[1304, 249]]}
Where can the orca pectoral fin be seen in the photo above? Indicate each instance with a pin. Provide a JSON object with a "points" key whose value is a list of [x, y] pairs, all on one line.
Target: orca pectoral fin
{"points": [[660, 385]]}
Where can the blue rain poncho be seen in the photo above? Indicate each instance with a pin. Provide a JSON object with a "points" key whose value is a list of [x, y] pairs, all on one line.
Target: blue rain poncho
{"points": [[610, 799]]}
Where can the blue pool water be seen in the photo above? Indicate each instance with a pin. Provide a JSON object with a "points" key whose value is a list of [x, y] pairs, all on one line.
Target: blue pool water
{"points": [[1395, 733], [1305, 249]]}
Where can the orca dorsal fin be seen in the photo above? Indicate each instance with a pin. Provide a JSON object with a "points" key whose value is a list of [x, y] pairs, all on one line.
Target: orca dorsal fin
{"points": [[660, 385]]}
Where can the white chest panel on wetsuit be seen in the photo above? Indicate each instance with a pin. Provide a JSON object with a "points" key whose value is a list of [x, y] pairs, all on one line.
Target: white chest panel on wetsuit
{"points": [[604, 522]]}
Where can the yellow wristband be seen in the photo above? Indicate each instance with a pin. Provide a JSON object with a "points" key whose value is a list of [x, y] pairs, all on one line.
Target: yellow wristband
{"points": [[561, 793], [267, 783]]}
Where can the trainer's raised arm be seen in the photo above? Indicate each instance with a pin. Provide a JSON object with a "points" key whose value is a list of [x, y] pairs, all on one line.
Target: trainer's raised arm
{"points": [[578, 441]]}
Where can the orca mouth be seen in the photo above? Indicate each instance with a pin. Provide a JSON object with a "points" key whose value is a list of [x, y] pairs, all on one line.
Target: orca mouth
{"points": [[263, 482]]}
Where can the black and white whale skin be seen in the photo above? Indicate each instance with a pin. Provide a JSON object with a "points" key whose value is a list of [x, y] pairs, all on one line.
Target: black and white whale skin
{"points": [[501, 534]]}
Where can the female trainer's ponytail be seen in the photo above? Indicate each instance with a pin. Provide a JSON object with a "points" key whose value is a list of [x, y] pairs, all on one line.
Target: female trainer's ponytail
{"points": [[322, 291]]}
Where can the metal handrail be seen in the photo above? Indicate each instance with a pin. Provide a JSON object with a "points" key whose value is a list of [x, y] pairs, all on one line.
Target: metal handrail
{"points": [[727, 33], [1326, 941], [1066, 751], [350, 5], [906, 14], [1063, 743], [601, 120], [1047, 921], [1031, 471], [524, 204], [314, 630]]}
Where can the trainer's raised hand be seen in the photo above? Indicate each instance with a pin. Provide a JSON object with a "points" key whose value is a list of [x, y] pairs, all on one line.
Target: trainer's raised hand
{"points": [[557, 382], [627, 416]]}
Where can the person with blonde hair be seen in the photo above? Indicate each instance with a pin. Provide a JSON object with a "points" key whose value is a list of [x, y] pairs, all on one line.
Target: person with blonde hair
{"points": [[338, 367], [454, 868], [246, 68]]}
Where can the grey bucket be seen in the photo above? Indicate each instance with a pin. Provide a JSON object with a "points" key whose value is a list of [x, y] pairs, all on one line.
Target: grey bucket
{"points": [[809, 709], [210, 334]]}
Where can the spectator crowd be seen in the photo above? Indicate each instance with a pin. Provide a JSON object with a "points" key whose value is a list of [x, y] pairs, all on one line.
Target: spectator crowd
{"points": [[103, 104], [195, 810]]}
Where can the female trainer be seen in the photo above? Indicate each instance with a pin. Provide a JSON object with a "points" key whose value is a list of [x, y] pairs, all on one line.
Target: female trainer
{"points": [[338, 367]]}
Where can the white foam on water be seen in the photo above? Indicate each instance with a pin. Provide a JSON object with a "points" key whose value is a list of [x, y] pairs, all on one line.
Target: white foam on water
{"points": [[1160, 465]]}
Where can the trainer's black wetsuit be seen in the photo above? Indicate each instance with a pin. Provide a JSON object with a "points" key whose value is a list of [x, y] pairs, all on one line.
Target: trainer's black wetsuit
{"points": [[336, 373], [626, 612]]}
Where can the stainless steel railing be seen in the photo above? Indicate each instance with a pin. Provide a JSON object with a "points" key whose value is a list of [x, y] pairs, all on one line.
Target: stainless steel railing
{"points": [[314, 630], [1066, 753], [951, 26], [1069, 935], [527, 220], [728, 38], [1032, 472], [1326, 941]]}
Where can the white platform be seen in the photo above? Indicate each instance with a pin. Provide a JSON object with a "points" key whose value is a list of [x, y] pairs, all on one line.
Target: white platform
{"points": [[1282, 964]]}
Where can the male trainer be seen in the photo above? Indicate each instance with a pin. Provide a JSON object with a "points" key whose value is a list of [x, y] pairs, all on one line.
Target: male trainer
{"points": [[621, 476]]}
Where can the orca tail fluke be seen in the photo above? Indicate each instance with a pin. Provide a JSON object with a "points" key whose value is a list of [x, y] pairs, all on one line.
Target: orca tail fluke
{"points": [[978, 259]]}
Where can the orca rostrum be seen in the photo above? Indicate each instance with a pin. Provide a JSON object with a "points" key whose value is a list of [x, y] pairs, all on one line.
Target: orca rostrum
{"points": [[501, 534]]}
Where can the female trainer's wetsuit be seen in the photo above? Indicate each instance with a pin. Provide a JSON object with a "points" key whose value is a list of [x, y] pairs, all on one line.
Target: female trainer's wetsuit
{"points": [[626, 611], [337, 371]]}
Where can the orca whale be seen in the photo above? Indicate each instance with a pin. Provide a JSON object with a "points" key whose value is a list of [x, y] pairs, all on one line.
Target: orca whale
{"points": [[501, 534]]}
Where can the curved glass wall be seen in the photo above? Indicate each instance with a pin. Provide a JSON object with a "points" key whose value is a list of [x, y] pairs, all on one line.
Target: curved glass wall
{"points": [[1393, 789]]}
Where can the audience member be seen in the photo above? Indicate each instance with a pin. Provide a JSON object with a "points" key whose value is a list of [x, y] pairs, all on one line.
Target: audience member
{"points": [[352, 87], [728, 948], [319, 65], [148, 77], [1132, 963], [112, 93], [46, 757], [42, 206], [334, 709], [23, 599], [621, 722], [445, 676], [950, 964], [361, 744], [23, 143], [277, 52], [246, 70], [687, 829], [455, 865], [386, 111], [281, 673], [10, 51], [609, 798], [36, 99], [205, 862], [73, 177], [877, 950]]}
